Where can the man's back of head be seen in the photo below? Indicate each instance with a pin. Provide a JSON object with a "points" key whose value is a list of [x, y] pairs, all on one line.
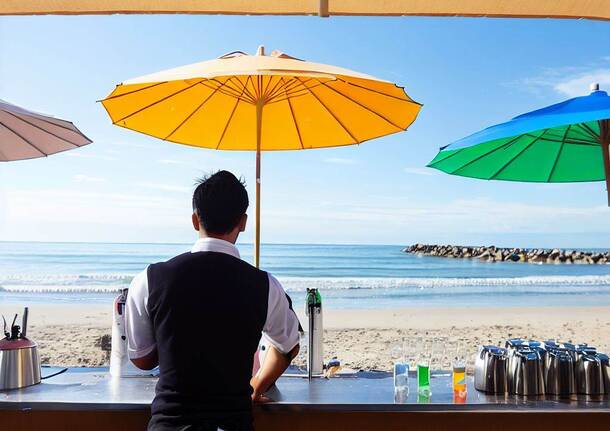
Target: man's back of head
{"points": [[220, 202]]}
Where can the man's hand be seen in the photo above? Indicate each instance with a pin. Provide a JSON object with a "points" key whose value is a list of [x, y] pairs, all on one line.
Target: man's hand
{"points": [[274, 366], [257, 397]]}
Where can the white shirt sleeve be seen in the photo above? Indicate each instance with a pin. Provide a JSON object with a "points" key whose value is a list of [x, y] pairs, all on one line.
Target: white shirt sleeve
{"points": [[138, 326], [282, 326]]}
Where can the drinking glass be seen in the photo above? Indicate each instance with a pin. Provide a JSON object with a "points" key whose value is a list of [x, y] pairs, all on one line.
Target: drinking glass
{"points": [[459, 370], [423, 371], [401, 372]]}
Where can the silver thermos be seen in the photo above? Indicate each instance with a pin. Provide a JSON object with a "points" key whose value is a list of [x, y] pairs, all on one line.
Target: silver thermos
{"points": [[315, 354]]}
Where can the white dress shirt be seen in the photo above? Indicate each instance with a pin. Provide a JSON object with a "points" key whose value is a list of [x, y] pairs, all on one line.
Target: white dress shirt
{"points": [[281, 328]]}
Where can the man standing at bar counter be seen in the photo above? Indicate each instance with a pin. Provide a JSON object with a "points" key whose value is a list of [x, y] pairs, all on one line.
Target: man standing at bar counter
{"points": [[200, 316]]}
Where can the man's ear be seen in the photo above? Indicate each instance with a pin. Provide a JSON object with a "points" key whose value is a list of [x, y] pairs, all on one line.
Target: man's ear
{"points": [[243, 222], [195, 220]]}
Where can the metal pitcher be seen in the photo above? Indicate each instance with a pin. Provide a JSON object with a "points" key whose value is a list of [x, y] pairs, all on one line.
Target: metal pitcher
{"points": [[490, 370], [605, 364], [589, 375], [559, 372], [526, 373]]}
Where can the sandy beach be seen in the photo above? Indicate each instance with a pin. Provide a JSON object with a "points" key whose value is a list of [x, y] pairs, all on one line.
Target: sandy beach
{"points": [[71, 335]]}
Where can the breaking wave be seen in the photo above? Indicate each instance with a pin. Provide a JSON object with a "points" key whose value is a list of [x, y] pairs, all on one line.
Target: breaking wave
{"points": [[109, 283], [300, 284], [67, 283]]}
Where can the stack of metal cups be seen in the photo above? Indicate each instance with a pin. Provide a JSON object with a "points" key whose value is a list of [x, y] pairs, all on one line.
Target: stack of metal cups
{"points": [[534, 368]]}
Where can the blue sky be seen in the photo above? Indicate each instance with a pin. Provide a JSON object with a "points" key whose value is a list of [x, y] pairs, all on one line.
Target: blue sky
{"points": [[468, 73]]}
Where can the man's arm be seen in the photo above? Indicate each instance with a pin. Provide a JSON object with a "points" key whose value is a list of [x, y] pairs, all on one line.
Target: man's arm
{"points": [[274, 366], [281, 330], [147, 362], [141, 344]]}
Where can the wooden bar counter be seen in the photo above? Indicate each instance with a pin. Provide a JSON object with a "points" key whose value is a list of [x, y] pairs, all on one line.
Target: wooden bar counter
{"points": [[89, 399]]}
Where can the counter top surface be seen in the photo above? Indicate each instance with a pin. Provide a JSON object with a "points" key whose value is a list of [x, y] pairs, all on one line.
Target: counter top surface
{"points": [[94, 389]]}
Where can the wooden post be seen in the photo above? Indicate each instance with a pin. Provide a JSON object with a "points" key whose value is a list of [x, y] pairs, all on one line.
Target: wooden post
{"points": [[323, 11], [604, 140], [259, 127]]}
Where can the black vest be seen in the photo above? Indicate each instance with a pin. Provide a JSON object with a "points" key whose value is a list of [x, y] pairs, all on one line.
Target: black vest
{"points": [[208, 310]]}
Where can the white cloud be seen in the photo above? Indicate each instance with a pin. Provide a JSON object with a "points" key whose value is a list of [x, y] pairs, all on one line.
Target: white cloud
{"points": [[81, 178], [132, 215], [202, 160], [89, 156], [579, 85], [340, 161], [570, 81], [420, 171], [165, 187], [128, 145], [82, 207], [489, 216], [3, 208], [175, 162], [52, 214]]}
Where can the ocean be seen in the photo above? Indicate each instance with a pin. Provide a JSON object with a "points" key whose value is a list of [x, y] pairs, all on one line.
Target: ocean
{"points": [[349, 276]]}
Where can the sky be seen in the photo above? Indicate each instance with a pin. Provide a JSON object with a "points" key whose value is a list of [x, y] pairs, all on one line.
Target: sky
{"points": [[468, 73]]}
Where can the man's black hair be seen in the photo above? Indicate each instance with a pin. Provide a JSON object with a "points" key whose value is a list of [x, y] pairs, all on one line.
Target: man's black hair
{"points": [[220, 201]]}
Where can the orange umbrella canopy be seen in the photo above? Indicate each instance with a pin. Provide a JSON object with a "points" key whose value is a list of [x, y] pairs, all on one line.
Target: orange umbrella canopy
{"points": [[300, 105], [261, 103]]}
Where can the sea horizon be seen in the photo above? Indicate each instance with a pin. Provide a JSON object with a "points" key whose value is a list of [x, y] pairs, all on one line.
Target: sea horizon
{"points": [[348, 276], [263, 243]]}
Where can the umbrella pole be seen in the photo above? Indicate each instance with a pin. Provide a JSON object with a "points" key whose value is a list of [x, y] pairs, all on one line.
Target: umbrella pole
{"points": [[257, 240], [604, 139]]}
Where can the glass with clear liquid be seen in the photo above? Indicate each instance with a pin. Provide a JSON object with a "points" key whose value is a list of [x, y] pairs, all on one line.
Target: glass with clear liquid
{"points": [[401, 374]]}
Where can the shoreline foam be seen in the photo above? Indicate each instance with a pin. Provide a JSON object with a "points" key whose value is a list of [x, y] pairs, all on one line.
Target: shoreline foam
{"points": [[81, 284]]}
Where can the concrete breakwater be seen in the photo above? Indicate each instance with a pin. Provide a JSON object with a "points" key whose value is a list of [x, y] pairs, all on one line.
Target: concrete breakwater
{"points": [[498, 254]]}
